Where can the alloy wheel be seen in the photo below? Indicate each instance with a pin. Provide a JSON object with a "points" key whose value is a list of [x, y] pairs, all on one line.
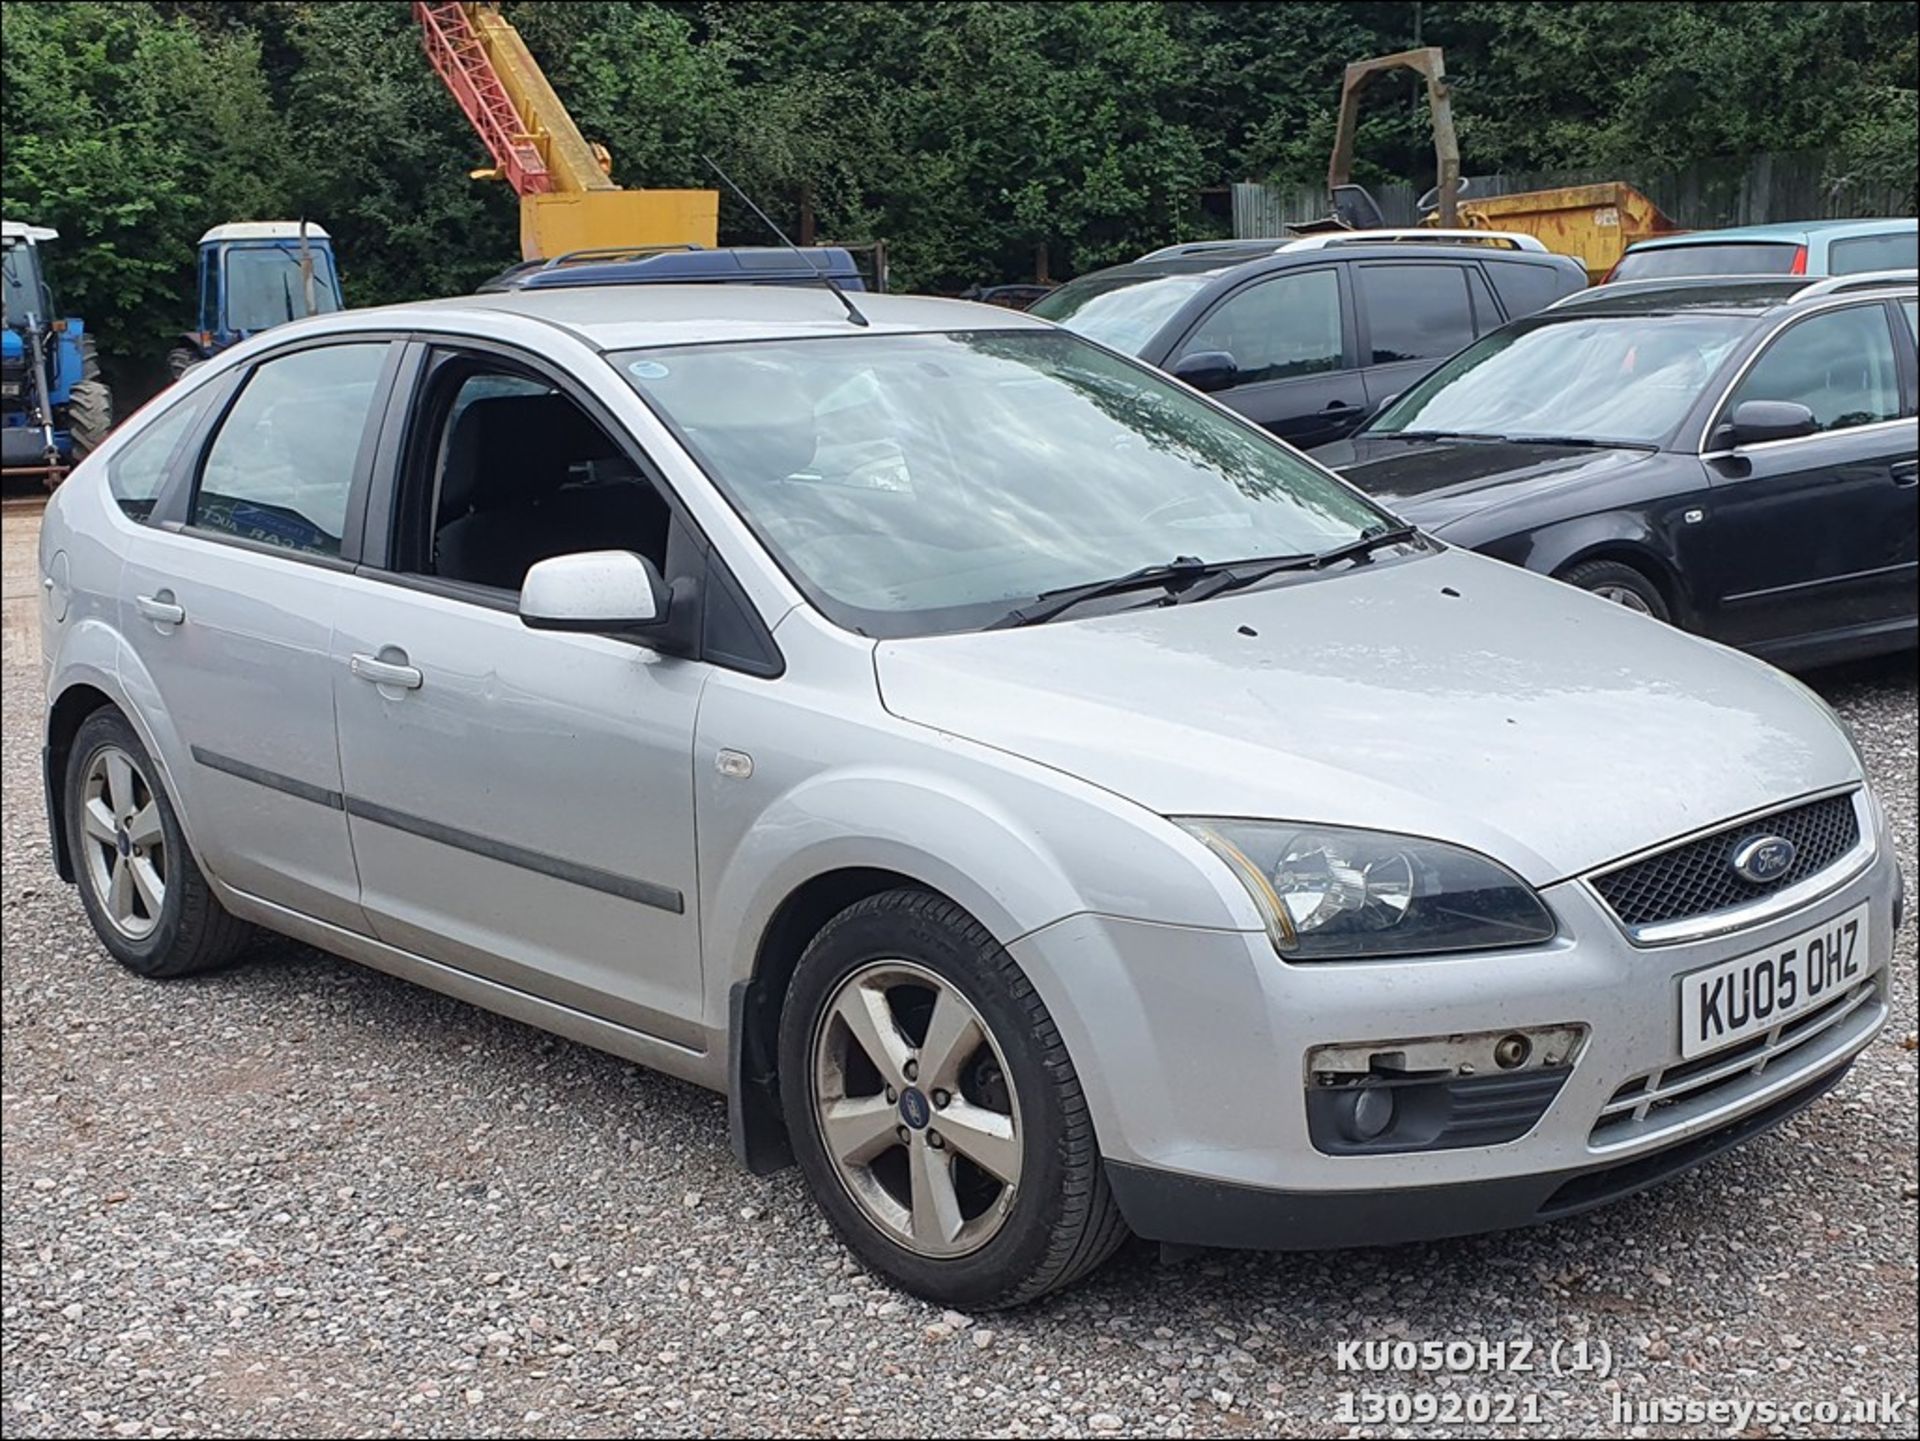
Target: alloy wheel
{"points": [[124, 843], [1624, 595], [916, 1109]]}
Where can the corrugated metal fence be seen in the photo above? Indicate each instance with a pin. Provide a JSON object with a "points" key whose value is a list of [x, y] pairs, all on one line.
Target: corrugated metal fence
{"points": [[1704, 196]]}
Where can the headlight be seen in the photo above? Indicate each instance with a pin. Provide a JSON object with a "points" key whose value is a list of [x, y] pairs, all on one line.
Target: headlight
{"points": [[1328, 893]]}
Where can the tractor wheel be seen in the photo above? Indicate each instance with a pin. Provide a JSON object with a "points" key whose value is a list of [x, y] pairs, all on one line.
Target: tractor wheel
{"points": [[89, 416], [89, 404], [180, 360]]}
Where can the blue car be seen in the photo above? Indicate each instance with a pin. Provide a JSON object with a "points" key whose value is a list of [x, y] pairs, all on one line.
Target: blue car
{"points": [[1804, 247]]}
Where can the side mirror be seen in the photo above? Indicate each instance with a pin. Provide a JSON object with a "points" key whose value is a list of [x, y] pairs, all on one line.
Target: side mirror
{"points": [[596, 590], [1756, 421], [1207, 369]]}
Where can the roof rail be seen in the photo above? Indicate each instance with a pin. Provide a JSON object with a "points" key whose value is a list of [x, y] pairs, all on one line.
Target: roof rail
{"points": [[614, 252], [1204, 247], [1862, 280], [1418, 234], [1601, 294]]}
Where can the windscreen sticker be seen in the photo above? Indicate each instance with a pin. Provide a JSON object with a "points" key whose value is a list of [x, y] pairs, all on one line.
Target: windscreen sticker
{"points": [[647, 369]]}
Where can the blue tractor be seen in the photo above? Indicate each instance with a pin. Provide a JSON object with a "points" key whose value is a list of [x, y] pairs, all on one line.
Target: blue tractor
{"points": [[54, 407], [255, 274]]}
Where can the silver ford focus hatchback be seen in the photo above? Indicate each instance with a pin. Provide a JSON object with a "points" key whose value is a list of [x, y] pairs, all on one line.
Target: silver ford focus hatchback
{"points": [[1048, 807]]}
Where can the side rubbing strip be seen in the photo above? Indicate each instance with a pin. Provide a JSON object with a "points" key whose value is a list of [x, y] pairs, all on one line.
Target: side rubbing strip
{"points": [[272, 780], [663, 898]]}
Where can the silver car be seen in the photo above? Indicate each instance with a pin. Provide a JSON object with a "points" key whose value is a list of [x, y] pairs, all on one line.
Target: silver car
{"points": [[1048, 807]]}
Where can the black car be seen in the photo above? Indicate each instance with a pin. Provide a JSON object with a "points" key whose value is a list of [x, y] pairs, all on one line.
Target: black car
{"points": [[1734, 456], [1309, 337]]}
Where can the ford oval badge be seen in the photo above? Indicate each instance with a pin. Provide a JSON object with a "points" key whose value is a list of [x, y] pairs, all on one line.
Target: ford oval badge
{"points": [[1763, 859]]}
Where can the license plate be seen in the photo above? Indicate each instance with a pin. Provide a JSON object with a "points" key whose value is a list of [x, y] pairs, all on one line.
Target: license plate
{"points": [[1728, 1003]]}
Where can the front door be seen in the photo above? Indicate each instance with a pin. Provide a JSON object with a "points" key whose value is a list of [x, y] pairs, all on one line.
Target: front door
{"points": [[1817, 535], [1287, 335], [520, 801]]}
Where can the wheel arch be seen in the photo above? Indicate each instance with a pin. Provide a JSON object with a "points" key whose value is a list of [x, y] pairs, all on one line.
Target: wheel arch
{"points": [[65, 716], [754, 1005], [1621, 536], [1659, 572]]}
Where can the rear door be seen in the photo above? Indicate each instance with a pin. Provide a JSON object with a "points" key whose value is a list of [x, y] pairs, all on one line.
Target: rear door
{"points": [[1413, 314], [1291, 335], [227, 600], [1817, 535]]}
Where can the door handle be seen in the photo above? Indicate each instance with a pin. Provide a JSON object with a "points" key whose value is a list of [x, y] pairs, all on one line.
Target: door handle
{"points": [[1906, 472], [1335, 406], [384, 672], [160, 608]]}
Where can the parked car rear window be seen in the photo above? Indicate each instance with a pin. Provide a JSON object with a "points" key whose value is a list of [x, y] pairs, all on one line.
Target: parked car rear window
{"points": [[1415, 312], [1124, 311], [911, 484], [1839, 365], [1759, 257], [1630, 379], [1898, 251], [1527, 288], [281, 464]]}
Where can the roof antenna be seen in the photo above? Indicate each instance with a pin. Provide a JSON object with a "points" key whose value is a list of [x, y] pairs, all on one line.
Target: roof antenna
{"points": [[826, 278]]}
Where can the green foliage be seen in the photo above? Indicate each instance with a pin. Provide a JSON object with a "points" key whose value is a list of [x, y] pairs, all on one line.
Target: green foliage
{"points": [[978, 139]]}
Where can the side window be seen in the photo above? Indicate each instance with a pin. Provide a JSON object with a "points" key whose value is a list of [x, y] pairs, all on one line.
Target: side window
{"points": [[1839, 365], [511, 472], [1486, 315], [137, 473], [1526, 288], [281, 465], [1911, 310], [1899, 251], [1276, 329], [1415, 312]]}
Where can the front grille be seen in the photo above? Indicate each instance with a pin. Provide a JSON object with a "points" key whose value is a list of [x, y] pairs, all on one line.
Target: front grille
{"points": [[1678, 1093], [1697, 879]]}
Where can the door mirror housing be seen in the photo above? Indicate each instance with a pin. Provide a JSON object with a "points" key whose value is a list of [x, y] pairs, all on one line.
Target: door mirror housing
{"points": [[1208, 370], [1754, 422], [605, 591]]}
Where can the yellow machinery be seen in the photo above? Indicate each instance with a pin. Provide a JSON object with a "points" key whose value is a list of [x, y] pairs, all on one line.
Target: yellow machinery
{"points": [[567, 200], [1593, 223]]}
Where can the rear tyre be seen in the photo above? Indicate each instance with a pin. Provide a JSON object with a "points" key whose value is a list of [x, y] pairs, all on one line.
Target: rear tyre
{"points": [[934, 1110], [180, 360], [1620, 583], [89, 404], [147, 900]]}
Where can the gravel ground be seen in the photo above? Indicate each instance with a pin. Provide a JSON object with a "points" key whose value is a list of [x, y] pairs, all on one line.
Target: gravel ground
{"points": [[301, 1198]]}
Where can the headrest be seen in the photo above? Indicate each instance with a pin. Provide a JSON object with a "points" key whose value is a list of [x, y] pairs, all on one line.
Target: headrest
{"points": [[509, 450]]}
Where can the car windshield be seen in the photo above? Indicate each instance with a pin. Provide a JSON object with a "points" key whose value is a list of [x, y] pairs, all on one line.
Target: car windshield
{"points": [[1627, 379], [912, 484], [1124, 311], [265, 286], [1759, 257]]}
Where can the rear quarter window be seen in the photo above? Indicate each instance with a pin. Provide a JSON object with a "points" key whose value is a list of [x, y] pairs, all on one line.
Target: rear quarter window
{"points": [[135, 476], [1524, 289]]}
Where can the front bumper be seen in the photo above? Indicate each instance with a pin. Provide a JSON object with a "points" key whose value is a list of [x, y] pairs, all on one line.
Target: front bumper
{"points": [[1191, 1047]]}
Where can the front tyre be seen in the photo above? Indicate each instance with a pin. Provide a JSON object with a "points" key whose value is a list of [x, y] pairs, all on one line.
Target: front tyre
{"points": [[1622, 584], [147, 900], [934, 1109]]}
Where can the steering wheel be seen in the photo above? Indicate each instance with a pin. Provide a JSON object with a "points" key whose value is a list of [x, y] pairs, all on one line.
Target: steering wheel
{"points": [[1169, 507], [1430, 202]]}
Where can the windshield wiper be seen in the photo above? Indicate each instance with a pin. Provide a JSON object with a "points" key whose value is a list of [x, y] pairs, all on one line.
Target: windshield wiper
{"points": [[1582, 442], [1370, 540], [1050, 603], [1435, 435]]}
